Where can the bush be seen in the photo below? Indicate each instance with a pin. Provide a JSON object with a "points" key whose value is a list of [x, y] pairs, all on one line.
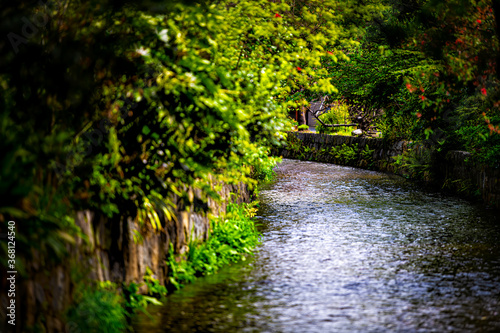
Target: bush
{"points": [[338, 114], [97, 311], [232, 238], [468, 129], [264, 170], [396, 126]]}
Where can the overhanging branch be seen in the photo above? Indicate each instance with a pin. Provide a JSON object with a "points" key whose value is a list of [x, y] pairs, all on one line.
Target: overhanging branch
{"points": [[320, 112]]}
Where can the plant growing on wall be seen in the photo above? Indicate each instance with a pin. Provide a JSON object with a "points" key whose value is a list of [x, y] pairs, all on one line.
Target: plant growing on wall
{"points": [[367, 155], [345, 154], [416, 162], [232, 238]]}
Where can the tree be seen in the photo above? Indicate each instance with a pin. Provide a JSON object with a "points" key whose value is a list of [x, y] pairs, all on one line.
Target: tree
{"points": [[116, 106], [462, 110]]}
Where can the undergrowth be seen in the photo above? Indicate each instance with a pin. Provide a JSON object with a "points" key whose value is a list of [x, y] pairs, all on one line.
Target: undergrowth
{"points": [[338, 114], [416, 162], [264, 168], [231, 239], [97, 308], [345, 153], [105, 307]]}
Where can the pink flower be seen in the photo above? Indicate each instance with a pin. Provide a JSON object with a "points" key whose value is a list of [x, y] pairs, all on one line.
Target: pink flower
{"points": [[299, 69], [478, 21], [277, 15], [484, 92], [422, 97]]}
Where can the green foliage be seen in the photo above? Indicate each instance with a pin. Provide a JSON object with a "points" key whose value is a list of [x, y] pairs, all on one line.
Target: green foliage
{"points": [[346, 22], [397, 126], [338, 114], [367, 155], [294, 144], [134, 301], [460, 38], [116, 107], [154, 286], [303, 127], [375, 79], [97, 310], [322, 151], [424, 63], [231, 239], [415, 163], [307, 151], [463, 186], [264, 170], [468, 132], [461, 34], [345, 154]]}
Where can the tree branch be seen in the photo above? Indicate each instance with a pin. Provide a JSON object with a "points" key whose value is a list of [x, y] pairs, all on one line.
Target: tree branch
{"points": [[322, 123]]}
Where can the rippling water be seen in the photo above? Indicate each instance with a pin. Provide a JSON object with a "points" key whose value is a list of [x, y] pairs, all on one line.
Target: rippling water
{"points": [[350, 250]]}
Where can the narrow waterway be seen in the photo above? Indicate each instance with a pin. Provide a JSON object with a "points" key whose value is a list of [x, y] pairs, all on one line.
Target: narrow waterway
{"points": [[349, 250]]}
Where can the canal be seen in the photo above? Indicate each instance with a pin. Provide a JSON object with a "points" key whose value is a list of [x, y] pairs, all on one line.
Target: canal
{"points": [[350, 250]]}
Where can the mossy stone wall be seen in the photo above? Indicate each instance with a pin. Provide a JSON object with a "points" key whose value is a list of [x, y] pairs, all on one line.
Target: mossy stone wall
{"points": [[455, 171]]}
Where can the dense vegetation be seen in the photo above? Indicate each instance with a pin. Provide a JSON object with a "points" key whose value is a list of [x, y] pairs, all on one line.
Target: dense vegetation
{"points": [[105, 304], [116, 106], [430, 67]]}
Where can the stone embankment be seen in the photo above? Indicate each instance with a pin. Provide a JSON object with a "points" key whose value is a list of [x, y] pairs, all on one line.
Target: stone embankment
{"points": [[455, 171], [119, 250], [461, 174], [318, 147]]}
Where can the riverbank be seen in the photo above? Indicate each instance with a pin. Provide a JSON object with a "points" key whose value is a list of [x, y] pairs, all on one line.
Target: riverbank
{"points": [[110, 267], [350, 250], [454, 171], [117, 266], [109, 306]]}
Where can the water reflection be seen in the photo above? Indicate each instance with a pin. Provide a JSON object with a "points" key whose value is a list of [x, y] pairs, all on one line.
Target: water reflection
{"points": [[349, 250]]}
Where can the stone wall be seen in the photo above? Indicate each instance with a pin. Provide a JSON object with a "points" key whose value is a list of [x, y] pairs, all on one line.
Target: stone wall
{"points": [[319, 149], [117, 250], [455, 171], [462, 175]]}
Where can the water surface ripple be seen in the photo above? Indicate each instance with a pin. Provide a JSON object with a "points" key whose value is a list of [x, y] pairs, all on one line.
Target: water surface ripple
{"points": [[350, 250]]}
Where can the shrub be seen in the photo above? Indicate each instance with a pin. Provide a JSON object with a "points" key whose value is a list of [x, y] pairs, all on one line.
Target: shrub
{"points": [[98, 310], [232, 238], [338, 114], [264, 169]]}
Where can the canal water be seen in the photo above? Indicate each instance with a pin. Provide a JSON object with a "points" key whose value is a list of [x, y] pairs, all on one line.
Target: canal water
{"points": [[350, 250]]}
